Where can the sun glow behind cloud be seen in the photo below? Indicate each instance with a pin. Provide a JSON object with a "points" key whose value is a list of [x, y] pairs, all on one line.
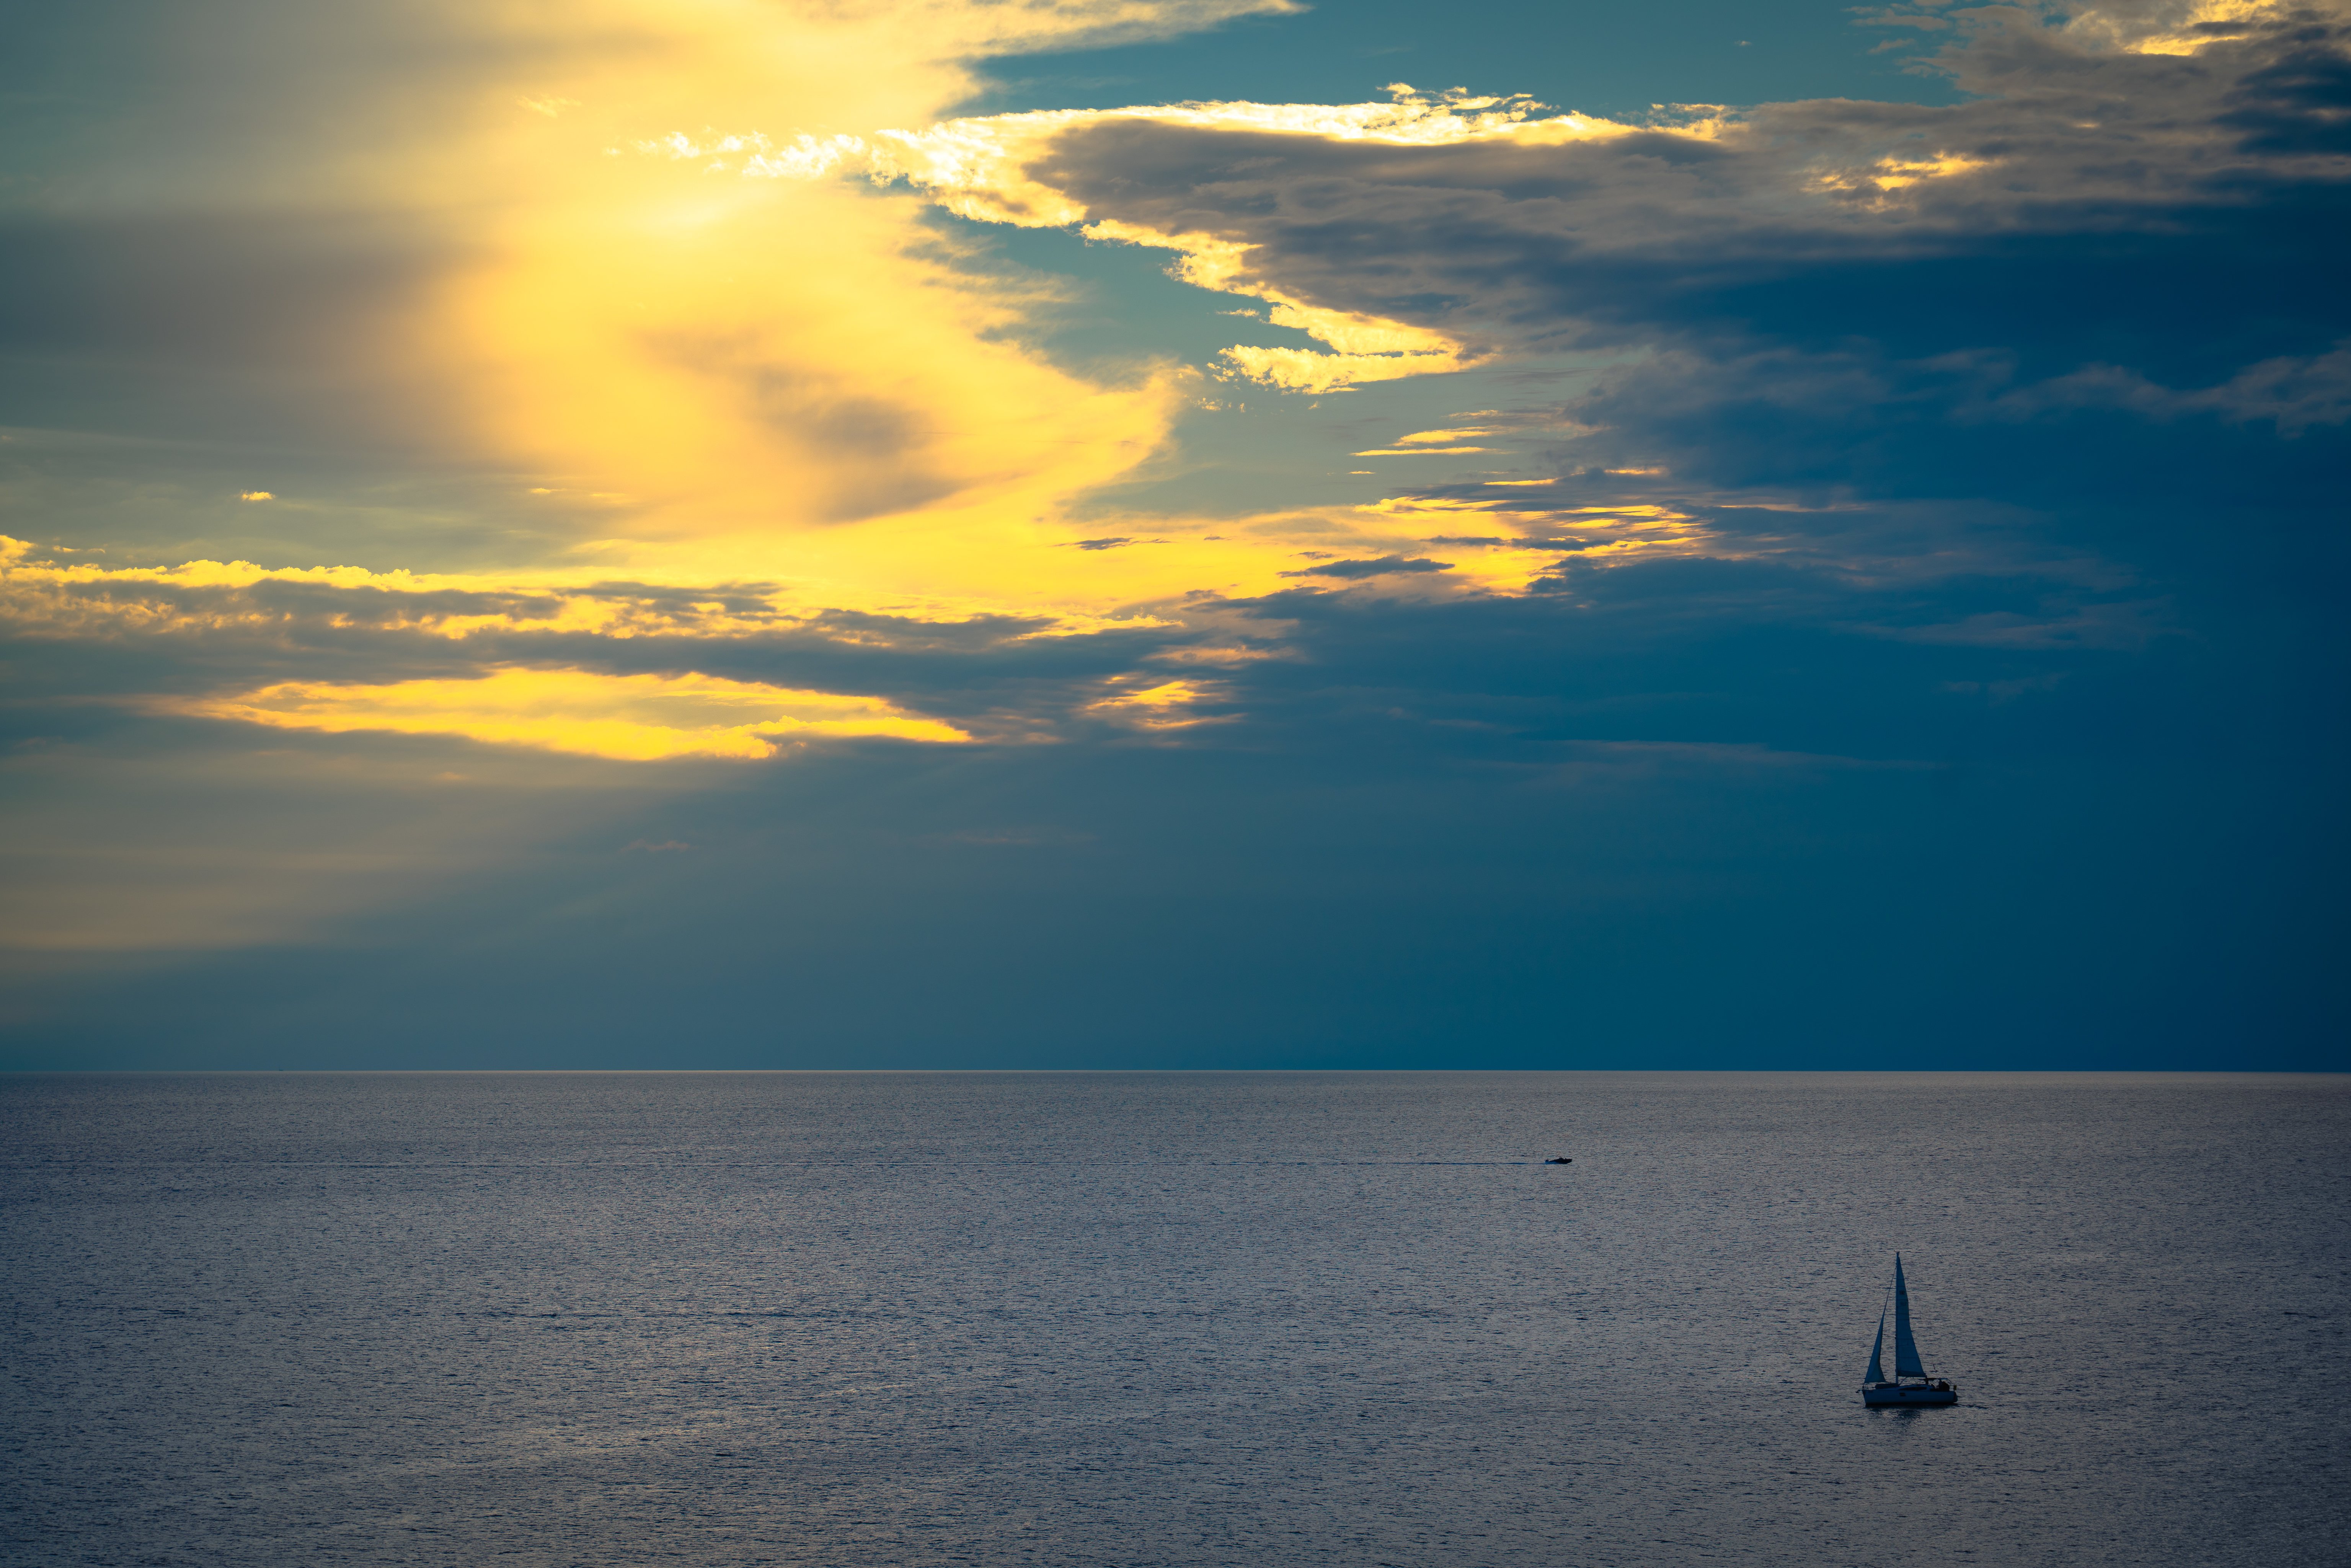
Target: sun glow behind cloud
{"points": [[704, 376]]}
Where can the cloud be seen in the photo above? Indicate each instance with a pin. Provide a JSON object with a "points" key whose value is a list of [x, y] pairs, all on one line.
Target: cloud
{"points": [[1438, 437], [424, 261], [1308, 370], [994, 169], [1877, 505], [635, 718], [1164, 705], [1381, 566], [728, 379], [2292, 394], [1503, 230]]}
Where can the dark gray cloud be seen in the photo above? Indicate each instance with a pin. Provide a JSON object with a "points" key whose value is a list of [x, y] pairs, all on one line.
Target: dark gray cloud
{"points": [[2174, 213]]}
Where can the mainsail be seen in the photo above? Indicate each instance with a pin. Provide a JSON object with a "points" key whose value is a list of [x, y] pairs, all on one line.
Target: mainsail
{"points": [[1906, 1349], [1876, 1372]]}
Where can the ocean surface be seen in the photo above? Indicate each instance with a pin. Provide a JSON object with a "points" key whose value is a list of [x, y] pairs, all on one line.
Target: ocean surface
{"points": [[1186, 1318]]}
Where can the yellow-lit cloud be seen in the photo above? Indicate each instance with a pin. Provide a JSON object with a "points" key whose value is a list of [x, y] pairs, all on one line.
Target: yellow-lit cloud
{"points": [[2166, 27], [1167, 706], [1025, 571], [635, 718], [913, 568], [1875, 186], [741, 403], [1437, 437]]}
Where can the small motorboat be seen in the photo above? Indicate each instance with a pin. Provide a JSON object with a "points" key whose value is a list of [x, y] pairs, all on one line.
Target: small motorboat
{"points": [[1559, 1160], [1910, 1384]]}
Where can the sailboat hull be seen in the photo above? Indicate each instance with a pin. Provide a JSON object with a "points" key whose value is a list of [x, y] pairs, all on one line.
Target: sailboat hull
{"points": [[1890, 1393]]}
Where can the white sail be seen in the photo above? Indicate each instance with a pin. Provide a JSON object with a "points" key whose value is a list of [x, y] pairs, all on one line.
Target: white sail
{"points": [[1876, 1372], [1906, 1349]]}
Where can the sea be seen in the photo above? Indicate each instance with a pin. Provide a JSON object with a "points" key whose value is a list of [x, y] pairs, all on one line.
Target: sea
{"points": [[289, 1319]]}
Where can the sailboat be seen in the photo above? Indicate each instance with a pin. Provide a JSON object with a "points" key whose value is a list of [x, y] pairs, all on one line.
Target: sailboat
{"points": [[1910, 1383]]}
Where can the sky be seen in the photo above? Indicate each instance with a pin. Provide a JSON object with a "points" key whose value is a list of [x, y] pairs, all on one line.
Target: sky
{"points": [[1173, 534]]}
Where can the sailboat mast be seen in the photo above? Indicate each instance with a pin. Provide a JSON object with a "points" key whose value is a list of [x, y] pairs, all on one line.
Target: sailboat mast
{"points": [[1906, 1349]]}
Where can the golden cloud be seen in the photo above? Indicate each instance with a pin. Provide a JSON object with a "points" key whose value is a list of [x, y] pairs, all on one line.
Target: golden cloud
{"points": [[633, 719]]}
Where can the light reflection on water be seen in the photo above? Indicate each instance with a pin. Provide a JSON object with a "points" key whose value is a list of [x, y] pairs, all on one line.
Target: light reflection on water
{"points": [[594, 1319]]}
